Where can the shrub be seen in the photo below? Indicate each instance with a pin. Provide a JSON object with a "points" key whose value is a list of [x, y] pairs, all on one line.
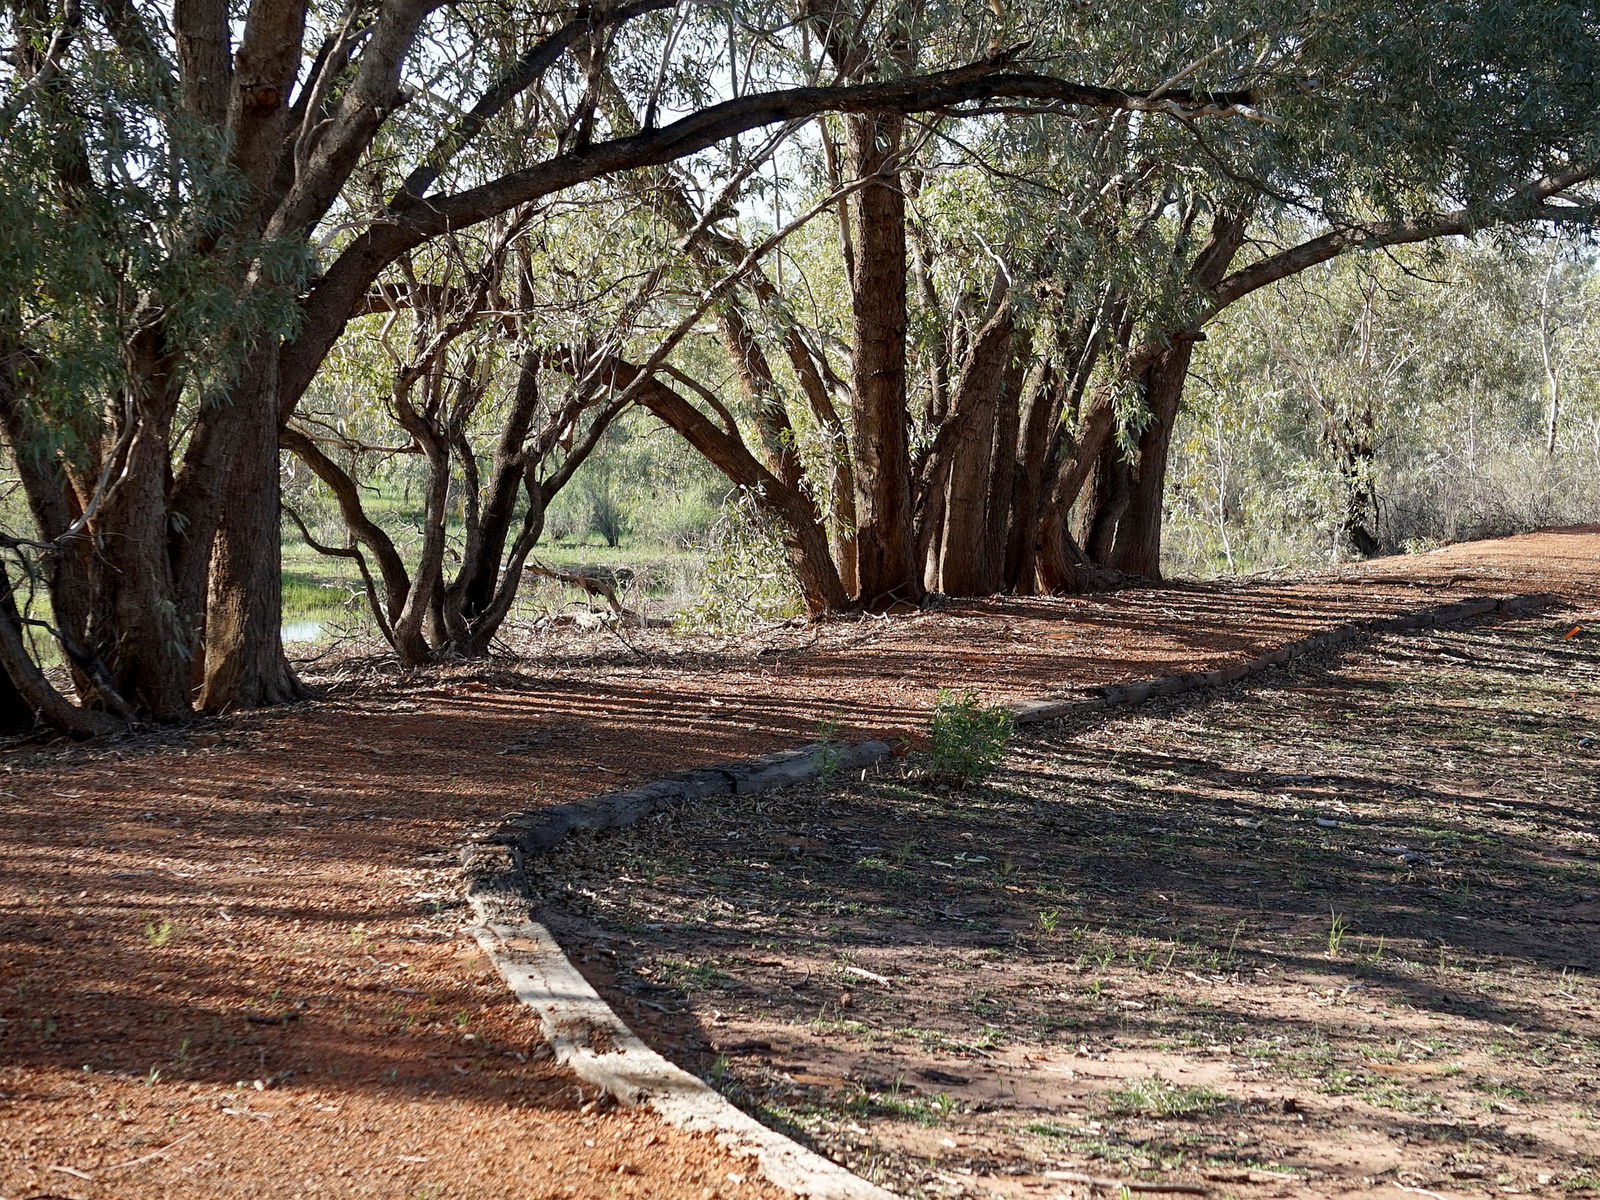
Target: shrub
{"points": [[968, 739]]}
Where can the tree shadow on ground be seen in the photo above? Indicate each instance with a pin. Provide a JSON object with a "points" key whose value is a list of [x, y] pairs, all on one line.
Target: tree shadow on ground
{"points": [[1339, 858]]}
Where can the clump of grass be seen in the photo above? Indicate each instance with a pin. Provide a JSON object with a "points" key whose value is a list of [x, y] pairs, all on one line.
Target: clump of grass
{"points": [[158, 934], [1158, 1097], [1337, 928]]}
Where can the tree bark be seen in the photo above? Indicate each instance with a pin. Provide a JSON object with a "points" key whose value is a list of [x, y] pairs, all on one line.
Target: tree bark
{"points": [[1135, 545], [136, 628], [966, 565], [1126, 530], [886, 566], [245, 663]]}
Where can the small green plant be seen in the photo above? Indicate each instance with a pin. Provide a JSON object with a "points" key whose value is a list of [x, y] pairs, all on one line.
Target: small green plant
{"points": [[968, 739], [1157, 1097], [1337, 928], [158, 934], [1050, 920], [829, 756], [943, 1105]]}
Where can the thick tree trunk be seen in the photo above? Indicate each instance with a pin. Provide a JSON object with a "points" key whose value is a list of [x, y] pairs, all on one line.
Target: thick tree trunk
{"points": [[1040, 408], [245, 663], [1109, 487], [136, 628], [1136, 547], [886, 567], [965, 561], [1003, 474]]}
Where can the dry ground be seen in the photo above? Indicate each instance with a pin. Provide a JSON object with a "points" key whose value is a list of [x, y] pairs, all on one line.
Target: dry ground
{"points": [[231, 961], [1332, 933]]}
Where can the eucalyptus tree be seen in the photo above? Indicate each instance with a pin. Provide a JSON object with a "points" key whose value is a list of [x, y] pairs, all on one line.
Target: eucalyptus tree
{"points": [[1055, 302], [1485, 125], [204, 199], [450, 367], [229, 186]]}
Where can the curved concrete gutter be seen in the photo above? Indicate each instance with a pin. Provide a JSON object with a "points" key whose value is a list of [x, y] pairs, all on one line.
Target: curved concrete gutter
{"points": [[591, 1039]]}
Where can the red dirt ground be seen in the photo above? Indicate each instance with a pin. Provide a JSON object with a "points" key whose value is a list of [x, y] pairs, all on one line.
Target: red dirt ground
{"points": [[230, 957]]}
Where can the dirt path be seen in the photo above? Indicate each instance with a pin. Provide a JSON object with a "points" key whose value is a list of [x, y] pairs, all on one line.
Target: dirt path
{"points": [[230, 960], [1334, 934]]}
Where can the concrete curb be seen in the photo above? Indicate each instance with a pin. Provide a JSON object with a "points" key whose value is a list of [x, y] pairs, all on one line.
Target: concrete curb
{"points": [[591, 1039]]}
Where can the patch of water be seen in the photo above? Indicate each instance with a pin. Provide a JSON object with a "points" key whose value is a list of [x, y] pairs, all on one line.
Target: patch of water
{"points": [[302, 631]]}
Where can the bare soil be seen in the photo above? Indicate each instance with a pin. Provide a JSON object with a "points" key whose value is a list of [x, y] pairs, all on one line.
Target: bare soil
{"points": [[1331, 935], [231, 955]]}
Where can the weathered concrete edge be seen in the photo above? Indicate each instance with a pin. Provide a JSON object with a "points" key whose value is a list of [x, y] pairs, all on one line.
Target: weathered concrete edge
{"points": [[589, 1037], [584, 1031]]}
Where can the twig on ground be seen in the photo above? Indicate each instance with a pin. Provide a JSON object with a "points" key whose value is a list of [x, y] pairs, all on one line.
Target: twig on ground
{"points": [[1131, 1185], [859, 973], [134, 1162]]}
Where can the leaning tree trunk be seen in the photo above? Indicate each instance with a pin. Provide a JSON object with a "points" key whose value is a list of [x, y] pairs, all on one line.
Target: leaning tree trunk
{"points": [[886, 566], [1126, 526], [1136, 545], [805, 537]]}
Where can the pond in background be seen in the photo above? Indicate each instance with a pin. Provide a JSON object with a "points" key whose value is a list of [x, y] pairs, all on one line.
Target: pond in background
{"points": [[302, 631]]}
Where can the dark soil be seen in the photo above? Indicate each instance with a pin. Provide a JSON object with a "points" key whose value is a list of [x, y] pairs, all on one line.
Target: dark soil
{"points": [[1332, 934]]}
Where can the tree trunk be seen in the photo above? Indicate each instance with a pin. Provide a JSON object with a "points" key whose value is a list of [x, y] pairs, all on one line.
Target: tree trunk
{"points": [[476, 583], [27, 697], [1125, 525], [1109, 488], [886, 566], [1039, 410], [245, 663], [1003, 472], [1061, 560], [1136, 546], [805, 539], [965, 560], [136, 628]]}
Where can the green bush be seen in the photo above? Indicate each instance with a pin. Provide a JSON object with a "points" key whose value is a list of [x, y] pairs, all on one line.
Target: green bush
{"points": [[968, 739]]}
